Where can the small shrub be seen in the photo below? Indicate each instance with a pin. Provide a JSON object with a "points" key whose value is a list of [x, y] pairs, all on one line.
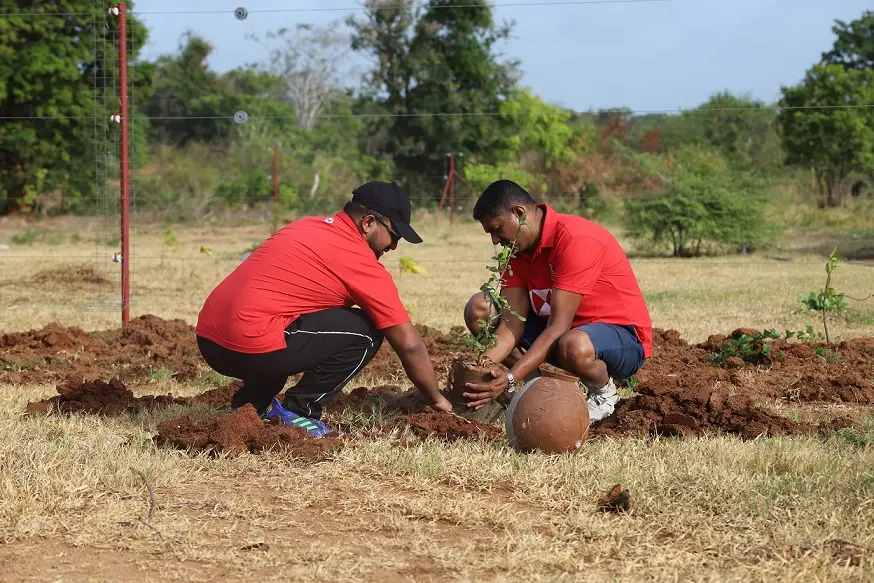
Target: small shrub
{"points": [[26, 237], [748, 348], [486, 338], [255, 187], [703, 205]]}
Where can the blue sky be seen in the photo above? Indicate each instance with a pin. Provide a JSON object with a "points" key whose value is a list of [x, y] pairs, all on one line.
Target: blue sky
{"points": [[657, 56]]}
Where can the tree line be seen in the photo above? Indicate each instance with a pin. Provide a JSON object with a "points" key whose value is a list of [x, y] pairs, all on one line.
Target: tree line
{"points": [[433, 81]]}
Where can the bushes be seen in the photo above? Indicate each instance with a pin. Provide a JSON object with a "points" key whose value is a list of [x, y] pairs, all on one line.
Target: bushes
{"points": [[250, 188], [704, 206]]}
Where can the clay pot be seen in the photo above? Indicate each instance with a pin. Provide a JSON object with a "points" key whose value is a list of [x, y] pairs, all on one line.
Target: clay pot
{"points": [[465, 370], [547, 415]]}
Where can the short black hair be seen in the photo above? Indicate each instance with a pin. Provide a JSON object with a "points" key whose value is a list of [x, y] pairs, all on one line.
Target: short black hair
{"points": [[498, 198], [356, 211]]}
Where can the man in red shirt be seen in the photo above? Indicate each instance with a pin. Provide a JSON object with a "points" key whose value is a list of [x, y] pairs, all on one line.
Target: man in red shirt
{"points": [[573, 285], [287, 309]]}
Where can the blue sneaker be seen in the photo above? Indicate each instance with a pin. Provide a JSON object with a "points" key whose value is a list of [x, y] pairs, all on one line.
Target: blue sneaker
{"points": [[312, 426]]}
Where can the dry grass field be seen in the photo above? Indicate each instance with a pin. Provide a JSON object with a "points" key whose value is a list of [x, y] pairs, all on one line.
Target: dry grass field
{"points": [[73, 506]]}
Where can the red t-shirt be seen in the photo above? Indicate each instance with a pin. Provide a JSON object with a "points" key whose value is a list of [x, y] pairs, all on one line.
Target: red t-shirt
{"points": [[312, 264], [582, 257]]}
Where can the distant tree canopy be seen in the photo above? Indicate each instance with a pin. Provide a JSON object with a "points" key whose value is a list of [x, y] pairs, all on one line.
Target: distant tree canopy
{"points": [[434, 83], [48, 68], [828, 119]]}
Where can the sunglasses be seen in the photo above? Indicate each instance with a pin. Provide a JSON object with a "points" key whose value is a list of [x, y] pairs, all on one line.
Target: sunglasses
{"points": [[395, 236]]}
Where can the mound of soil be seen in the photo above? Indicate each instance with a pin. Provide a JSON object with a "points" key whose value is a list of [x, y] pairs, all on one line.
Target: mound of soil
{"points": [[243, 431], [145, 345], [671, 406], [368, 400], [793, 372], [443, 349], [71, 275], [99, 397], [434, 424]]}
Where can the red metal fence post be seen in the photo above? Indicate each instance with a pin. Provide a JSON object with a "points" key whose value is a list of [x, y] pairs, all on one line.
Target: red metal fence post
{"points": [[125, 177], [275, 189]]}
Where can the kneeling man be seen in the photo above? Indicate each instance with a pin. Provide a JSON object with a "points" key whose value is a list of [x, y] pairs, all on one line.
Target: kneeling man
{"points": [[572, 283]]}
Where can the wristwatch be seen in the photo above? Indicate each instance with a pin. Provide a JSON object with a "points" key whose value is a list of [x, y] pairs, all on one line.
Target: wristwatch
{"points": [[512, 388]]}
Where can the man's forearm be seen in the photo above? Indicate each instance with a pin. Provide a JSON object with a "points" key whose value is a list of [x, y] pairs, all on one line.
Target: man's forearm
{"points": [[419, 370], [536, 355]]}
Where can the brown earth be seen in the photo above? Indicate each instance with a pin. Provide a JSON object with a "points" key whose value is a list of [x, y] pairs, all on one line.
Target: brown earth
{"points": [[679, 392], [243, 431], [114, 398], [146, 345], [431, 423], [71, 276]]}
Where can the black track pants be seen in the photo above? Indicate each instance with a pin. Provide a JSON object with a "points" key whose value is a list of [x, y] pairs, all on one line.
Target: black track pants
{"points": [[329, 347]]}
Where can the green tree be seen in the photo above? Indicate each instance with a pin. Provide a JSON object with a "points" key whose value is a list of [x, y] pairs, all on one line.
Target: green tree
{"points": [[854, 46], [481, 175], [834, 142], [48, 72], [742, 129], [185, 87], [704, 205], [434, 70], [547, 133]]}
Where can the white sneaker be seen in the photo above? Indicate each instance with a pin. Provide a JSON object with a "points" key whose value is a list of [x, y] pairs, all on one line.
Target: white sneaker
{"points": [[602, 402]]}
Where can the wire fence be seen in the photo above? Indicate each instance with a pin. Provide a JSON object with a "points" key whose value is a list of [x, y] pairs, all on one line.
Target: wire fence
{"points": [[117, 119]]}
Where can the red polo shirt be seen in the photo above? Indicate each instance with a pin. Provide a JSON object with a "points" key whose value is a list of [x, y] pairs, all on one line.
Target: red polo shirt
{"points": [[313, 264], [582, 257]]}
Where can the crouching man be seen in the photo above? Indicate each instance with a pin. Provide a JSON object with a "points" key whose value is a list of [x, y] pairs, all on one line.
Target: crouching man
{"points": [[572, 283], [287, 309]]}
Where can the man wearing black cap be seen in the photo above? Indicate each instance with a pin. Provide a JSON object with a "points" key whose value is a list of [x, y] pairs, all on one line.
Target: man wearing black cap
{"points": [[288, 309]]}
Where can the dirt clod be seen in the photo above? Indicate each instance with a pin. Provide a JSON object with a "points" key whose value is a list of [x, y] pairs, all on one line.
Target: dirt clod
{"points": [[97, 397], [615, 500], [449, 426], [242, 431]]}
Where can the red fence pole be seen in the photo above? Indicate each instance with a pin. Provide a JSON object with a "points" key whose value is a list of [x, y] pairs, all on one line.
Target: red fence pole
{"points": [[451, 189], [275, 189], [125, 183]]}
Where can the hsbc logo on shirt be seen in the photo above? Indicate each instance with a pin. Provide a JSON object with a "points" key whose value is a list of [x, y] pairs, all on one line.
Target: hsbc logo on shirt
{"points": [[540, 301], [329, 220]]}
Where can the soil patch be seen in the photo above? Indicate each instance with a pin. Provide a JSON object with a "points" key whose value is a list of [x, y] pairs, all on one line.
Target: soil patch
{"points": [[616, 500], [443, 349], [243, 431], [112, 397], [97, 397], [434, 424], [147, 344], [70, 276], [667, 406], [681, 390]]}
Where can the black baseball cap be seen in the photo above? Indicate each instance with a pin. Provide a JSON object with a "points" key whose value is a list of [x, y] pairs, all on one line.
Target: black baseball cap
{"points": [[389, 199]]}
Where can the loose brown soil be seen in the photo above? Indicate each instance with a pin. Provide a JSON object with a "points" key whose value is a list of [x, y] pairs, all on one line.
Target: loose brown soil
{"points": [[243, 431], [114, 398], [449, 427], [148, 344], [71, 276], [679, 392]]}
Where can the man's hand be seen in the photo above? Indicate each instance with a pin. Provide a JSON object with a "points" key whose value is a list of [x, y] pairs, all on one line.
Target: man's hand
{"points": [[443, 405], [482, 394]]}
